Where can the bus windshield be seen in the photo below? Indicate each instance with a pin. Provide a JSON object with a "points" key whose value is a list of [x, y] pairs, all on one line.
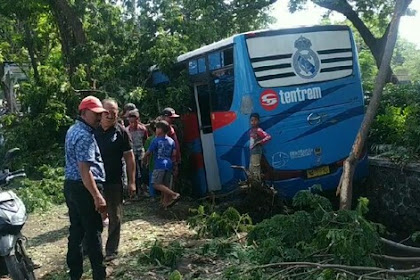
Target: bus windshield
{"points": [[281, 60]]}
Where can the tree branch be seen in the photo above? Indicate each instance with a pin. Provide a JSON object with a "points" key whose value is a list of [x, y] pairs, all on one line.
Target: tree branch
{"points": [[397, 259], [378, 270], [31, 50], [73, 20], [400, 246], [404, 7], [343, 7], [376, 45]]}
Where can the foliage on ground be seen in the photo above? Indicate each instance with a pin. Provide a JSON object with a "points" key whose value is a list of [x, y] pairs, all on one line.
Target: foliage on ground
{"points": [[160, 254], [153, 247], [41, 194], [314, 232], [260, 201], [209, 223]]}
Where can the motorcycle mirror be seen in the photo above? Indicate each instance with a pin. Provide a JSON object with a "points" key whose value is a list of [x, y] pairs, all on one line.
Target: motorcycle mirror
{"points": [[10, 154]]}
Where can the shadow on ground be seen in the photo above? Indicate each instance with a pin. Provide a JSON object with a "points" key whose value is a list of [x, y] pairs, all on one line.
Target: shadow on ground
{"points": [[49, 237]]}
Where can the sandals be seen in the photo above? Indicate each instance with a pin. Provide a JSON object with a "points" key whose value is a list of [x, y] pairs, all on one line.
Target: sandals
{"points": [[172, 203]]}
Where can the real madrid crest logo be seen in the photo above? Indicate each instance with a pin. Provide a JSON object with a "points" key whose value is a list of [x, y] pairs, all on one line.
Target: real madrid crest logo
{"points": [[305, 61]]}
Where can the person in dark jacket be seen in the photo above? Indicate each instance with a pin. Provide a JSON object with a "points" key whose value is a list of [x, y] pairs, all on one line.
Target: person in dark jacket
{"points": [[115, 144]]}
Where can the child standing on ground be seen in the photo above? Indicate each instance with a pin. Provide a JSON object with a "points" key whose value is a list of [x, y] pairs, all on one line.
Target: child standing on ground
{"points": [[258, 137], [151, 132], [138, 133], [168, 114], [164, 153]]}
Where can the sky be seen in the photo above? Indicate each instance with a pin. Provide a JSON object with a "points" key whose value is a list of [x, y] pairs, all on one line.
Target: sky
{"points": [[312, 16]]}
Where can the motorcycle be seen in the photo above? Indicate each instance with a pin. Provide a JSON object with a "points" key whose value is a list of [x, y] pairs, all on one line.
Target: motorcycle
{"points": [[12, 219]]}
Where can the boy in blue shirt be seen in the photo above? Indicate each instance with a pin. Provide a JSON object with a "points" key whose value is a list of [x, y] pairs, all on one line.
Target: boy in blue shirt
{"points": [[164, 152]]}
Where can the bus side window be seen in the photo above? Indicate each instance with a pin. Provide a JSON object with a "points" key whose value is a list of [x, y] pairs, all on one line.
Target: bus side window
{"points": [[201, 65], [192, 67], [227, 57], [215, 61], [222, 91]]}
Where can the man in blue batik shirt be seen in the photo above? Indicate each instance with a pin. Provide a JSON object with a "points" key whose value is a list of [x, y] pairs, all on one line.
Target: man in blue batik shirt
{"points": [[84, 176]]}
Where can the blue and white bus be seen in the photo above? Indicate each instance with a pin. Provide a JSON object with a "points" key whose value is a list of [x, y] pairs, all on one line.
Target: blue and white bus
{"points": [[305, 84]]}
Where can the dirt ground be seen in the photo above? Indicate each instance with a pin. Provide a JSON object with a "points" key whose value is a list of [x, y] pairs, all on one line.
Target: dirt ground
{"points": [[144, 222]]}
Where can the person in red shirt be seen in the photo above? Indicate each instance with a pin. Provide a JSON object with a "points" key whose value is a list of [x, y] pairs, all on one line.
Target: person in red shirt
{"points": [[168, 114], [257, 137]]}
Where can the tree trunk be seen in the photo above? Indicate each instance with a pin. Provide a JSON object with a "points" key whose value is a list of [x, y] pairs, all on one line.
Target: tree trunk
{"points": [[31, 50], [71, 32], [73, 21], [345, 189]]}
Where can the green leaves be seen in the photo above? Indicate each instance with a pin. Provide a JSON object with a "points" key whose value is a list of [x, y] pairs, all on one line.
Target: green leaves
{"points": [[212, 224], [40, 194], [318, 231], [175, 275], [416, 236], [163, 255], [362, 206], [121, 47], [398, 122]]}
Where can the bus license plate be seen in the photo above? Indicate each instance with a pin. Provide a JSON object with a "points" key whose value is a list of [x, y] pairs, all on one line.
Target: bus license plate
{"points": [[316, 172]]}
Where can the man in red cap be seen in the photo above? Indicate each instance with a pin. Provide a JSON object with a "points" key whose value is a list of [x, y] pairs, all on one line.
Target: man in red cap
{"points": [[168, 114], [84, 176]]}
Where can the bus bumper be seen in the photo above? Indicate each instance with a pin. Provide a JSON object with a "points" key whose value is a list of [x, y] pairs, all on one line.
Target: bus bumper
{"points": [[288, 188]]}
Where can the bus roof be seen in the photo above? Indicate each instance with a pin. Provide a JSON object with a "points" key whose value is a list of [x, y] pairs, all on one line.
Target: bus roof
{"points": [[207, 48], [229, 41]]}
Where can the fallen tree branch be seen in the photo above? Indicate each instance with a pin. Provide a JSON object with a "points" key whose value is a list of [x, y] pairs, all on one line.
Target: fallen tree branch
{"points": [[400, 246], [370, 275], [339, 266], [397, 259], [308, 273], [212, 196], [237, 238], [283, 272], [405, 239]]}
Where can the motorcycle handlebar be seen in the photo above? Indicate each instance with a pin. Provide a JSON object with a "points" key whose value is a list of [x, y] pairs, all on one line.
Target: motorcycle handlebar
{"points": [[11, 176], [14, 176], [20, 171]]}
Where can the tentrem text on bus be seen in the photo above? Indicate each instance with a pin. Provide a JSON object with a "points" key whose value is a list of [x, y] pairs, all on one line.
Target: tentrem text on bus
{"points": [[303, 82]]}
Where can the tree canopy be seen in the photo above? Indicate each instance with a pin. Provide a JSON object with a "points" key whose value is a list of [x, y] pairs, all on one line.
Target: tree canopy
{"points": [[74, 47]]}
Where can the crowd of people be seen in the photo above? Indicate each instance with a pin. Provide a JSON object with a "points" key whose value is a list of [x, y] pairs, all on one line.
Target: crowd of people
{"points": [[105, 151]]}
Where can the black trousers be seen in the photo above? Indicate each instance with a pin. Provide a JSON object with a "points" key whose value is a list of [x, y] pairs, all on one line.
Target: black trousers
{"points": [[85, 223], [114, 198]]}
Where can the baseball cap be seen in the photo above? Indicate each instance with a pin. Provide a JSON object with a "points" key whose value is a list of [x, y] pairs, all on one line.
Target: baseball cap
{"points": [[129, 107], [169, 112], [91, 103]]}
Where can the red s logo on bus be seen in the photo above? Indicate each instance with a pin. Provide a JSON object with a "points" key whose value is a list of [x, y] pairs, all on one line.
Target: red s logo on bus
{"points": [[269, 99]]}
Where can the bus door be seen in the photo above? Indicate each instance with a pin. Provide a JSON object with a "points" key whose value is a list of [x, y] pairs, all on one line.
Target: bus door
{"points": [[202, 99]]}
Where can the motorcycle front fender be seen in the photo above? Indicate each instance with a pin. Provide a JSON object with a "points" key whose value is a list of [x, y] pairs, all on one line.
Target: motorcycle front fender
{"points": [[7, 244]]}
